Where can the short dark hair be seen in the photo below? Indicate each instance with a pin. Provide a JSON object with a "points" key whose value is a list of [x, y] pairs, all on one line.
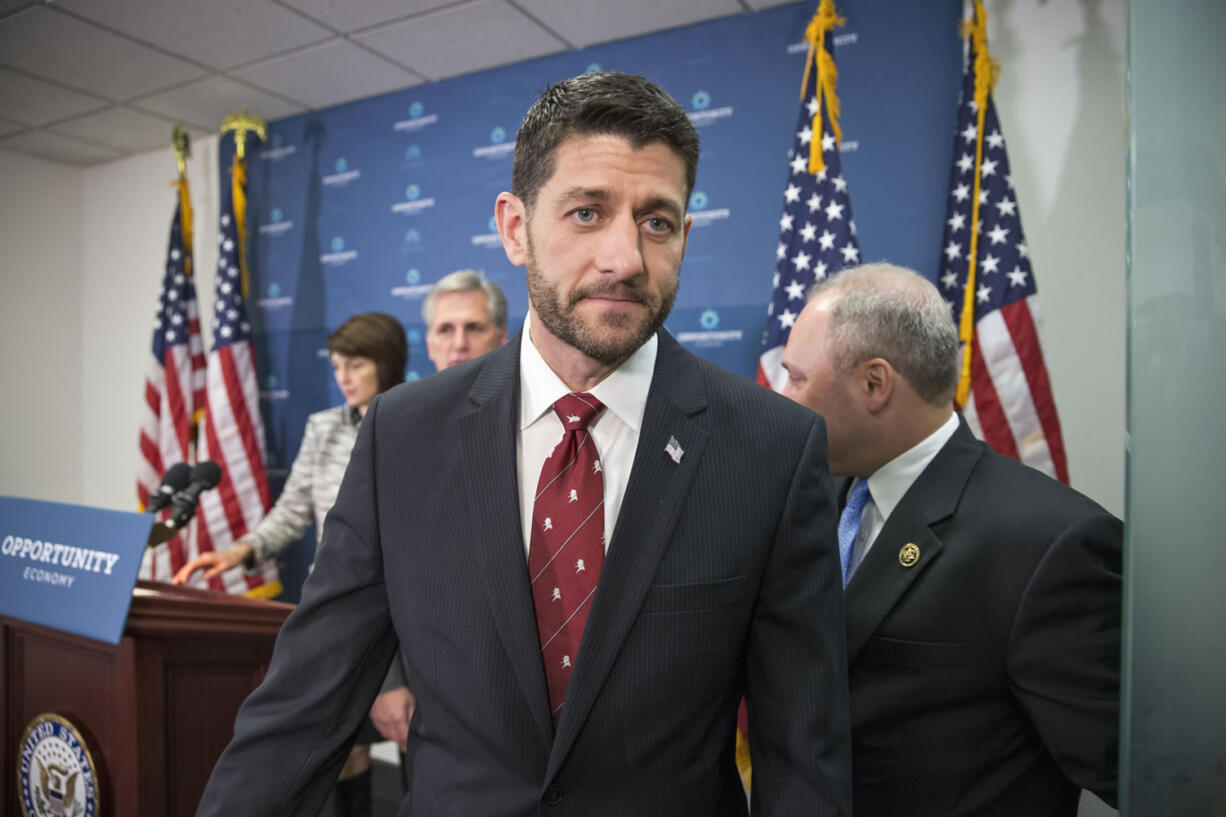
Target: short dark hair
{"points": [[603, 102], [379, 337]]}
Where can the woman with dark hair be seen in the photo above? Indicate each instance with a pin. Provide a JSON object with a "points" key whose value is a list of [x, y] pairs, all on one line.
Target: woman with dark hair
{"points": [[369, 354]]}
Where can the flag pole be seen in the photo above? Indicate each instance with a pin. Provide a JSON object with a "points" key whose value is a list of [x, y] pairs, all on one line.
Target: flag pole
{"points": [[977, 33]]}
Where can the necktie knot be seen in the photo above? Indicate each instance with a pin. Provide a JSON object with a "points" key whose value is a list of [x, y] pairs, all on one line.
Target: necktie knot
{"points": [[577, 411], [857, 498]]}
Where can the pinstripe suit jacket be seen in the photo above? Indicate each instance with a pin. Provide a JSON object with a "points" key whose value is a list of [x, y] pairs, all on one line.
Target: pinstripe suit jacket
{"points": [[722, 578]]}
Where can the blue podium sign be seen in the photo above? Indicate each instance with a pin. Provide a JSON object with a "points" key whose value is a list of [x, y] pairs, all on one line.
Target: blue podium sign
{"points": [[68, 566]]}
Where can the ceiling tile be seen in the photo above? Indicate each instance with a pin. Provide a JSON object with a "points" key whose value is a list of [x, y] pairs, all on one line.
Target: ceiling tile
{"points": [[58, 148], [219, 33], [585, 22], [346, 15], [120, 128], [35, 102], [7, 127], [8, 7], [205, 103], [758, 5], [62, 48], [329, 74], [463, 39]]}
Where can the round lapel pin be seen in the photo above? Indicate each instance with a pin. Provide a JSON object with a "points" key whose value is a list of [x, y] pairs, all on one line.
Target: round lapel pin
{"points": [[908, 555]]}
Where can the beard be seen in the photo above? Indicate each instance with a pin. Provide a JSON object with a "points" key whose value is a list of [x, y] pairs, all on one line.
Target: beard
{"points": [[611, 337]]}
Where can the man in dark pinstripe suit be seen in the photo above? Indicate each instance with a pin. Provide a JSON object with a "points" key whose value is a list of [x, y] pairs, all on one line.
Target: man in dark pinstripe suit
{"points": [[720, 576]]}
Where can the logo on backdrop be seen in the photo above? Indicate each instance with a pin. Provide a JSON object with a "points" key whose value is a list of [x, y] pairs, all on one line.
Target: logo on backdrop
{"points": [[58, 777], [498, 147], [272, 390], [276, 224], [276, 150], [702, 113], [412, 157], [343, 174], [412, 240], [339, 255], [274, 299], [710, 335], [413, 202], [593, 68], [413, 289], [418, 119], [489, 239], [701, 215]]}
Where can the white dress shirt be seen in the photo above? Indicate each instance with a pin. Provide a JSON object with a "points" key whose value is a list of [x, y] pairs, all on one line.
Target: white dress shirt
{"points": [[889, 483], [615, 431]]}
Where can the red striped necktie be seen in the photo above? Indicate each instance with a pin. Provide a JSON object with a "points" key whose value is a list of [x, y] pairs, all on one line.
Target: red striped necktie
{"points": [[567, 547]]}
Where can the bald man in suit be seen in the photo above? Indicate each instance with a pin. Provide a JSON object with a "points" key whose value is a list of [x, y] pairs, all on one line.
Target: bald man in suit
{"points": [[983, 598]]}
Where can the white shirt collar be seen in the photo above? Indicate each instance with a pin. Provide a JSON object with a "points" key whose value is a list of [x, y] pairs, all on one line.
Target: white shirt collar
{"points": [[890, 482], [623, 392]]}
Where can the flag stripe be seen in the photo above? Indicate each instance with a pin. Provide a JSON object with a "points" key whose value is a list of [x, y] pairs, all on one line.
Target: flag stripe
{"points": [[1008, 380], [992, 419], [175, 394], [1022, 320], [241, 382]]}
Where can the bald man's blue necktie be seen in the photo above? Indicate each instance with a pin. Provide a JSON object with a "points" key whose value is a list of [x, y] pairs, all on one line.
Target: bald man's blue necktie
{"points": [[849, 524]]}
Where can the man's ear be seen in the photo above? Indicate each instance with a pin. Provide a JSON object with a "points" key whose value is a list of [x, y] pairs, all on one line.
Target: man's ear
{"points": [[512, 219], [877, 380]]}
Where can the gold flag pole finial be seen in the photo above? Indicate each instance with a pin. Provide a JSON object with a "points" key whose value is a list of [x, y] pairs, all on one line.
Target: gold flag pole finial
{"points": [[181, 144], [241, 124]]}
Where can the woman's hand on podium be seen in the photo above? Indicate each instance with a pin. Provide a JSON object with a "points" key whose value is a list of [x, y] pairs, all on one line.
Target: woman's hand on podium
{"points": [[216, 563]]}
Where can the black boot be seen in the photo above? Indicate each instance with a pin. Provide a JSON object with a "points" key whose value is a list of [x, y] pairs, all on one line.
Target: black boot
{"points": [[352, 796]]}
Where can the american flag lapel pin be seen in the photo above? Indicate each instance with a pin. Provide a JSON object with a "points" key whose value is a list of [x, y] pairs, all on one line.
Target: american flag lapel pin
{"points": [[673, 449]]}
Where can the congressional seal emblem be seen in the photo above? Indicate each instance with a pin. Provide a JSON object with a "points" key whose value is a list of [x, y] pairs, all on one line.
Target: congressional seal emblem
{"points": [[56, 775]]}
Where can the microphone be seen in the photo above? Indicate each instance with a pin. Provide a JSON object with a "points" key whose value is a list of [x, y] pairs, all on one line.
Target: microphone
{"points": [[175, 479], [204, 476]]}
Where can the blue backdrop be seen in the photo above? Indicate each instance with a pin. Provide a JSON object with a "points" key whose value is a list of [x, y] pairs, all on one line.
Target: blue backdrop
{"points": [[363, 206]]}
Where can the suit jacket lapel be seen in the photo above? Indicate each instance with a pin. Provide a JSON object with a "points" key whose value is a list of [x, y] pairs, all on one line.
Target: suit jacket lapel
{"points": [[654, 497], [488, 433], [883, 577]]}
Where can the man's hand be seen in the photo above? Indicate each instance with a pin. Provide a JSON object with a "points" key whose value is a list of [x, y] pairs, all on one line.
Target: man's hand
{"points": [[391, 714]]}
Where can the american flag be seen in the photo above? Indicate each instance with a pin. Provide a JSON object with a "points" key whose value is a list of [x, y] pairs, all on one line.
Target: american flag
{"points": [[232, 433], [174, 384], [1005, 395], [817, 236]]}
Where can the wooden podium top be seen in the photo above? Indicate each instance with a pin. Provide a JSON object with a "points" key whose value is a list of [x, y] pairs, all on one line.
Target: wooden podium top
{"points": [[164, 609]]}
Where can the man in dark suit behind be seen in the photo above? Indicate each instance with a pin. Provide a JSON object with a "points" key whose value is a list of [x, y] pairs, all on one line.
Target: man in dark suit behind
{"points": [[983, 600], [707, 550]]}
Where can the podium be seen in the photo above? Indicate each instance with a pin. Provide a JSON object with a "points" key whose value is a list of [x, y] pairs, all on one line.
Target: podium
{"points": [[157, 709]]}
